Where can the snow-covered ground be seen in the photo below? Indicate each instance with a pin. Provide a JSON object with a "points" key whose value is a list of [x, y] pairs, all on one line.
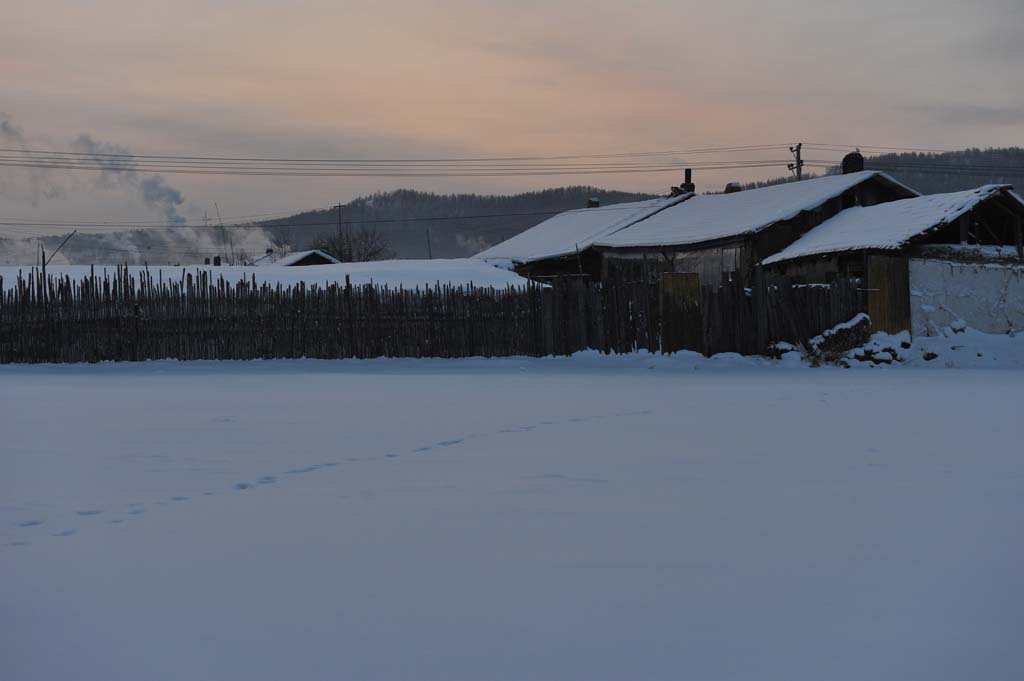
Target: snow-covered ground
{"points": [[393, 273], [585, 518]]}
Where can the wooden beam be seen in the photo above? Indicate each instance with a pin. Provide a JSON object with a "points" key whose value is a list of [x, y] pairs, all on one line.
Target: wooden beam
{"points": [[1018, 237], [965, 227], [992, 232]]}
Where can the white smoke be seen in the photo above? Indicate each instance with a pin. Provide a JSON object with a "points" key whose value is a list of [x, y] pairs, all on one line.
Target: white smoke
{"points": [[118, 171], [174, 244]]}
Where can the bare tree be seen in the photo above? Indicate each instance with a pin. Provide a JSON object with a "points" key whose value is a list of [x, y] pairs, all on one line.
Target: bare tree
{"points": [[356, 246]]}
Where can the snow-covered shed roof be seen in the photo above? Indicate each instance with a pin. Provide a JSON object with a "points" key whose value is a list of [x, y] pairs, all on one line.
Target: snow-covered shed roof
{"points": [[296, 257], [888, 225], [717, 216], [575, 230]]}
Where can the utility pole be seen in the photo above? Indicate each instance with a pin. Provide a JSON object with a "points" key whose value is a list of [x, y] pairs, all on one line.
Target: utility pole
{"points": [[225, 241], [430, 254], [799, 165]]}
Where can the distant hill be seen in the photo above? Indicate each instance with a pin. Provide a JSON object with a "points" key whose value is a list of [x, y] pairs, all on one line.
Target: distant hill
{"points": [[453, 232], [941, 172], [395, 214]]}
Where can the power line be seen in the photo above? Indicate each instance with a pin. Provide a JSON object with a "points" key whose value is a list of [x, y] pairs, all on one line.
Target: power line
{"points": [[390, 173], [480, 159]]}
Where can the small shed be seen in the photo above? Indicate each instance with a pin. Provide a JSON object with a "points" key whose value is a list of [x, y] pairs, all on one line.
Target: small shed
{"points": [[925, 262], [561, 245], [723, 235]]}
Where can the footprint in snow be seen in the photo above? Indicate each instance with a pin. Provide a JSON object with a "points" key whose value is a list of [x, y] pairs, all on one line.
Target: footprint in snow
{"points": [[422, 449], [449, 443], [65, 533], [266, 480], [88, 512], [136, 511], [180, 498], [115, 521], [391, 456], [243, 485], [30, 523], [20, 543]]}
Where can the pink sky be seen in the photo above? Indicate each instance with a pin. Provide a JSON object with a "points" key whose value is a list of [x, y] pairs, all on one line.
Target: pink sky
{"points": [[376, 79]]}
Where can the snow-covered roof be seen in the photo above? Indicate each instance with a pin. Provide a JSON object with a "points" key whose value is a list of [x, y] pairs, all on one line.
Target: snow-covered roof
{"points": [[392, 273], [718, 216], [888, 225], [574, 230], [294, 257]]}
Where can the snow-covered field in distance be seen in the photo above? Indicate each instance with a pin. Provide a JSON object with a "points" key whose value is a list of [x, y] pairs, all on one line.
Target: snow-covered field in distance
{"points": [[585, 518]]}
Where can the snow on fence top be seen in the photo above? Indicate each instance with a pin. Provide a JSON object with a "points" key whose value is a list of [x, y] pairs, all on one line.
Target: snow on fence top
{"points": [[573, 230], [887, 225], [392, 273], [717, 216]]}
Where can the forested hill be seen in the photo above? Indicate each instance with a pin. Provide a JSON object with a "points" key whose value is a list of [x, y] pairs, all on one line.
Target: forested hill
{"points": [[454, 231], [944, 172]]}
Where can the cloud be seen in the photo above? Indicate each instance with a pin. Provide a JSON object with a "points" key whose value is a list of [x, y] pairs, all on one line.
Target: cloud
{"points": [[978, 115]]}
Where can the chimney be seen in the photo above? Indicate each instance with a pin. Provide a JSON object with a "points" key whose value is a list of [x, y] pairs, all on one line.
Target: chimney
{"points": [[733, 187], [853, 162], [688, 185], [206, 261], [216, 261], [593, 202]]}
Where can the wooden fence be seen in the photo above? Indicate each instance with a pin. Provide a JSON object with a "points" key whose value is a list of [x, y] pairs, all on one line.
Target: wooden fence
{"points": [[126, 317]]}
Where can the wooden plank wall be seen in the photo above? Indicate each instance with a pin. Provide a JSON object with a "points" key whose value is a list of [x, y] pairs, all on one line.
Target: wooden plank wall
{"points": [[682, 322]]}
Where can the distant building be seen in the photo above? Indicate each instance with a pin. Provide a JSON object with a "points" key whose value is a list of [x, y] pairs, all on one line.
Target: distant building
{"points": [[297, 259]]}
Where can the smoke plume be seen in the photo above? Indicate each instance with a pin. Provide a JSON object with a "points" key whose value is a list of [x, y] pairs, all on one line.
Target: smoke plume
{"points": [[117, 172]]}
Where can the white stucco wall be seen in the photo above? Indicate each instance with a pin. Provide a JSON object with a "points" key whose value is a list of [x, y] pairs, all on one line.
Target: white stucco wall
{"points": [[989, 298]]}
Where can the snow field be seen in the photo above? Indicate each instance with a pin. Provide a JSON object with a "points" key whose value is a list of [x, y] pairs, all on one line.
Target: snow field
{"points": [[590, 517]]}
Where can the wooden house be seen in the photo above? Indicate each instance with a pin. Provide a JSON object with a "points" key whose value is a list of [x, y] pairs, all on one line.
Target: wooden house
{"points": [[925, 262], [562, 245], [723, 235]]}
